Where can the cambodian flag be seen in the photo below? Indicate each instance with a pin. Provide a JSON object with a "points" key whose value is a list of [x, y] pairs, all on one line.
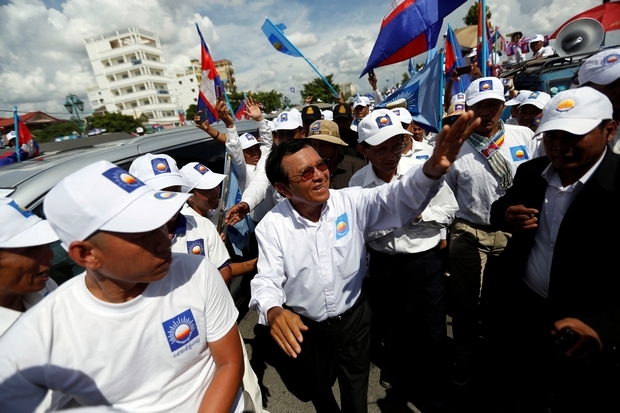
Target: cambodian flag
{"points": [[240, 113], [454, 59], [411, 27], [210, 83]]}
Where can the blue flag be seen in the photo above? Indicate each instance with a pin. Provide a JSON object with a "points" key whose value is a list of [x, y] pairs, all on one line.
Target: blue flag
{"points": [[422, 93], [278, 40], [239, 234]]}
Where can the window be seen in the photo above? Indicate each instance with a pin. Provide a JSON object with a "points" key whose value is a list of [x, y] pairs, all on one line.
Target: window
{"points": [[116, 93], [125, 76], [145, 102], [195, 99], [180, 82], [134, 104], [191, 79], [101, 101], [193, 90], [142, 87], [120, 61], [106, 64], [94, 103]]}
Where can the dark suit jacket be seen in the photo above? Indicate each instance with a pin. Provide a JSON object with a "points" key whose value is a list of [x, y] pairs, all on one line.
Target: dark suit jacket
{"points": [[585, 271]]}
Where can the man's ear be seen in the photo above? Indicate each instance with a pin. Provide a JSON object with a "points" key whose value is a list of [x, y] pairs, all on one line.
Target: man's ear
{"points": [[84, 254], [610, 130], [284, 190]]}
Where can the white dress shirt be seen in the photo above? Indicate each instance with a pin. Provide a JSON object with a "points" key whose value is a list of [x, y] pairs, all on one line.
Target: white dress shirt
{"points": [[317, 268], [414, 236], [558, 199], [544, 51], [419, 153], [474, 183]]}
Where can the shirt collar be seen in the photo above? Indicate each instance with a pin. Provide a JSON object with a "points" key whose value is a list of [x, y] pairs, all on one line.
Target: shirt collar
{"points": [[551, 174], [372, 178]]}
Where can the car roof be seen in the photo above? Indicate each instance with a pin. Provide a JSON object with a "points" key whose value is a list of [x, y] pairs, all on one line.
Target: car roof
{"points": [[26, 182]]}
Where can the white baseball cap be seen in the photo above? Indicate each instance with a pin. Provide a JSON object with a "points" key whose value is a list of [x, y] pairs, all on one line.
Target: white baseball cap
{"points": [[289, 120], [139, 129], [459, 97], [361, 101], [103, 196], [403, 115], [577, 111], [379, 126], [157, 171], [602, 69], [10, 135], [248, 140], [517, 100], [473, 52], [198, 176], [272, 125], [484, 88], [538, 99], [327, 114], [22, 228], [537, 38]]}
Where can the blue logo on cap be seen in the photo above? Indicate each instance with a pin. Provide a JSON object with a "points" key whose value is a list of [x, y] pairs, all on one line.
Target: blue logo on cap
{"points": [[163, 195], [123, 179], [316, 126], [485, 86], [249, 136], [611, 60], [160, 166], [459, 106], [201, 168], [397, 111], [342, 226], [24, 212], [196, 247], [283, 117], [180, 329], [383, 121]]}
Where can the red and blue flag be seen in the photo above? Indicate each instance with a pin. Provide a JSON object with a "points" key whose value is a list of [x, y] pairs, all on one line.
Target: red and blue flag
{"points": [[210, 83], [240, 113], [411, 27], [454, 58]]}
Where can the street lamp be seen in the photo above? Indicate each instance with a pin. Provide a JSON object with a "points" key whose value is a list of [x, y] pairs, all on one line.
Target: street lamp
{"points": [[72, 104]]}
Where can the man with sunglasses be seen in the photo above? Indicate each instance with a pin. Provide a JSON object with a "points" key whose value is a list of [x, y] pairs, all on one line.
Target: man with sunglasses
{"points": [[406, 271], [312, 260], [482, 173]]}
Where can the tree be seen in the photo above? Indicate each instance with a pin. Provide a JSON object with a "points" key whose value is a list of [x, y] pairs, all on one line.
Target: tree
{"points": [[319, 90], [471, 18], [271, 100], [190, 112], [405, 78], [286, 102], [114, 122], [55, 130]]}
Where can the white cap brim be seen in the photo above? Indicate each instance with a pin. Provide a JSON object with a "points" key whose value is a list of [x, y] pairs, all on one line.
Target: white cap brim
{"points": [[148, 212], [40, 233], [162, 181], [210, 181], [572, 125], [512, 102], [288, 126], [386, 133], [539, 105], [484, 96]]}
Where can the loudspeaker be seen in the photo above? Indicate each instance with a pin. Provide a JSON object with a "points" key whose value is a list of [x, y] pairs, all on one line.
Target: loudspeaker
{"points": [[579, 36]]}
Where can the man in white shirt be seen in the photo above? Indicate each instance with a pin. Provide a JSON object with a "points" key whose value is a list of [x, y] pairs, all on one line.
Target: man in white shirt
{"points": [[556, 273], [406, 273], [602, 72], [539, 50], [142, 329], [312, 259], [514, 106], [482, 173], [530, 110]]}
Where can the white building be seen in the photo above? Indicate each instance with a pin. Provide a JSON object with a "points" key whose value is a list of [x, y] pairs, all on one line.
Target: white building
{"points": [[185, 85], [131, 76]]}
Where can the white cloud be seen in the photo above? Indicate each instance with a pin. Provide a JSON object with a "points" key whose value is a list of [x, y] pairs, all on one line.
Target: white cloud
{"points": [[303, 39]]}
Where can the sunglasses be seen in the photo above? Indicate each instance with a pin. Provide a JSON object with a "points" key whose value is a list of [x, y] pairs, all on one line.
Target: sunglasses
{"points": [[308, 173]]}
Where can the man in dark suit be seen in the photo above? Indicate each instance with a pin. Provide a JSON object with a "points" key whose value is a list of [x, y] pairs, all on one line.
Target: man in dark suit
{"points": [[559, 269]]}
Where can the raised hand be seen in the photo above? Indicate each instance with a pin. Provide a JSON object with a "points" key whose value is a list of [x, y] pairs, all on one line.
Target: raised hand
{"points": [[253, 109], [448, 145], [224, 113]]}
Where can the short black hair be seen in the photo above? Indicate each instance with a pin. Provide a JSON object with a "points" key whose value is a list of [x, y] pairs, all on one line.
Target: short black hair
{"points": [[275, 173], [516, 34]]}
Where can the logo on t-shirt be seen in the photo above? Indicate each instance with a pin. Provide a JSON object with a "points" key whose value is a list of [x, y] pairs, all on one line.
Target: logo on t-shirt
{"points": [[421, 157], [196, 247], [180, 329], [342, 226], [519, 153]]}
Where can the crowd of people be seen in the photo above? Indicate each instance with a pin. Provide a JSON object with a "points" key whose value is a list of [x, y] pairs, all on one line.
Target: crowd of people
{"points": [[368, 233]]}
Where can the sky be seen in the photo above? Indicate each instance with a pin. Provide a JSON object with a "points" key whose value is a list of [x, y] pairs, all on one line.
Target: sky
{"points": [[43, 57]]}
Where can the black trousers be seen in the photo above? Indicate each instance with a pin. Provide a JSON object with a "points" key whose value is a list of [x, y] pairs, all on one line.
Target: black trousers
{"points": [[407, 293], [338, 349]]}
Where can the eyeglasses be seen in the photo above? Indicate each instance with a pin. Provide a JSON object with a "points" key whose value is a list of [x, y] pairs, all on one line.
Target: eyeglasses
{"points": [[383, 152], [308, 173]]}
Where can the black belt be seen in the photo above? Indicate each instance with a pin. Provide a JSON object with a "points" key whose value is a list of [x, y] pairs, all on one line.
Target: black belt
{"points": [[337, 319]]}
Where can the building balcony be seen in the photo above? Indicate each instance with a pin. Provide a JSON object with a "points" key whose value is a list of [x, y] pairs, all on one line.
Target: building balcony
{"points": [[163, 91]]}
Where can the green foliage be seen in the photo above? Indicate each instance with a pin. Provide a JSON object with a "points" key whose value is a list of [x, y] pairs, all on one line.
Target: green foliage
{"points": [[405, 78], [271, 100], [114, 122], [55, 130], [285, 102], [471, 18], [190, 112], [319, 90]]}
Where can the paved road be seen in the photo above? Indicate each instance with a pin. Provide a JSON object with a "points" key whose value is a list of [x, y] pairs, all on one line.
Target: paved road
{"points": [[281, 401]]}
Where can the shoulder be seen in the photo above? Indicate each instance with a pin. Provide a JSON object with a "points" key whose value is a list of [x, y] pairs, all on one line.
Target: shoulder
{"points": [[518, 131], [358, 177]]}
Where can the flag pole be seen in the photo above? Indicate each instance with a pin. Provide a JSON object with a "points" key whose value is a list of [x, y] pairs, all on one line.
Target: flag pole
{"points": [[16, 129], [336, 94], [227, 172], [441, 91], [484, 45]]}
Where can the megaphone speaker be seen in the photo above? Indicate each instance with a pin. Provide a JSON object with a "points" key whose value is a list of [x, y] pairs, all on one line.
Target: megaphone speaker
{"points": [[579, 36]]}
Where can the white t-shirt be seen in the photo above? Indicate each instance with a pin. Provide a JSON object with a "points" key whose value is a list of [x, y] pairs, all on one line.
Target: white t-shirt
{"points": [[200, 238], [150, 354], [8, 316]]}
